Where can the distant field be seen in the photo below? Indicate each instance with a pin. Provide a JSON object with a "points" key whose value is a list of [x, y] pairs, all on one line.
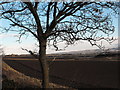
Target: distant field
{"points": [[68, 57], [96, 72]]}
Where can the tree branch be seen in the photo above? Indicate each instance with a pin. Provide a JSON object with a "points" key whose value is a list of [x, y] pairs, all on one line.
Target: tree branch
{"points": [[48, 11], [16, 24], [10, 11], [37, 19], [29, 51], [3, 3]]}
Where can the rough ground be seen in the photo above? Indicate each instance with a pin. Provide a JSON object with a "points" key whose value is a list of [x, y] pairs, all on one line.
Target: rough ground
{"points": [[100, 72], [23, 80]]}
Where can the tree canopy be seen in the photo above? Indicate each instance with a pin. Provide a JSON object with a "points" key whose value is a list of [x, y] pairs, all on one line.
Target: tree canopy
{"points": [[61, 21]]}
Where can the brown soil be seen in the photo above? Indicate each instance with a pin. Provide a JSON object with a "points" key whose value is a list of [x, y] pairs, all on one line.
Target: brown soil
{"points": [[21, 80], [76, 74]]}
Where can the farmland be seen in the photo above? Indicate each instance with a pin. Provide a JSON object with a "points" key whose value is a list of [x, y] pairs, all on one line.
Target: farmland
{"points": [[82, 72]]}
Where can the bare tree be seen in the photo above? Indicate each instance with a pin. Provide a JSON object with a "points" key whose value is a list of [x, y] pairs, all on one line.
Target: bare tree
{"points": [[55, 22]]}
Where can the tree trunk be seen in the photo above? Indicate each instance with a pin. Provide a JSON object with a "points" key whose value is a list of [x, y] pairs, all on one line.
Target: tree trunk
{"points": [[44, 64]]}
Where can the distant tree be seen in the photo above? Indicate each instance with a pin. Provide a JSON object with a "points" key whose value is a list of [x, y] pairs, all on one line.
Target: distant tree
{"points": [[55, 22]]}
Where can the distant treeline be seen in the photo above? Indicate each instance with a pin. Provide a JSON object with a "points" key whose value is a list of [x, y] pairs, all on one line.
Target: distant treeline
{"points": [[68, 56], [108, 55]]}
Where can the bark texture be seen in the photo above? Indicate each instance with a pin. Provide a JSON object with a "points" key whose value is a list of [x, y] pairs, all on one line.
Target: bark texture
{"points": [[44, 64]]}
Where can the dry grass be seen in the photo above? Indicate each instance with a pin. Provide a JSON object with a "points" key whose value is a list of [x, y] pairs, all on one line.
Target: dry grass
{"points": [[23, 80]]}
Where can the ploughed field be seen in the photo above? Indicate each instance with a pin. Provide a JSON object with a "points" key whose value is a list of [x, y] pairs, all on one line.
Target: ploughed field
{"points": [[100, 72]]}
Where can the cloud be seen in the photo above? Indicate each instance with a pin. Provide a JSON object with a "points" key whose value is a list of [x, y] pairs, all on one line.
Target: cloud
{"points": [[5, 35], [15, 48], [84, 45]]}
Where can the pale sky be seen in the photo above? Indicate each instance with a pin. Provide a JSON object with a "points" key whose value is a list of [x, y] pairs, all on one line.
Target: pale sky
{"points": [[11, 46]]}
